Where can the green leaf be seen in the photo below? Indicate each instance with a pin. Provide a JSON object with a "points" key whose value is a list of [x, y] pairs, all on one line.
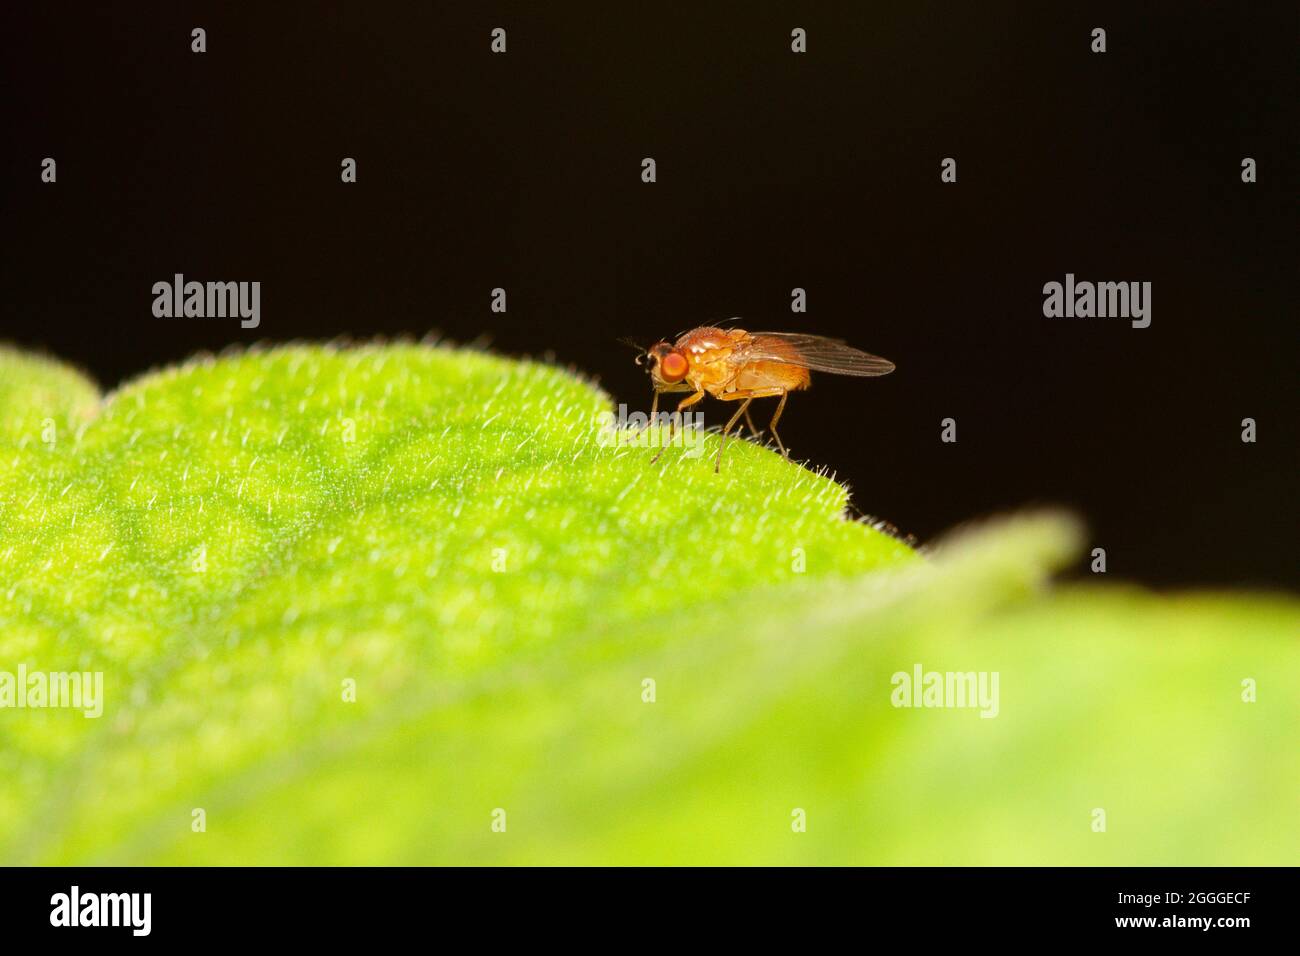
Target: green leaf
{"points": [[237, 542]]}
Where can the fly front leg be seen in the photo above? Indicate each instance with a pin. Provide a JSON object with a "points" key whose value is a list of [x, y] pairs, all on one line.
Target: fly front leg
{"points": [[654, 411], [686, 402]]}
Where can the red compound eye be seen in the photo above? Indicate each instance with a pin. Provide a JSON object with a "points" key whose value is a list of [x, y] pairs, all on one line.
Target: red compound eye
{"points": [[672, 367]]}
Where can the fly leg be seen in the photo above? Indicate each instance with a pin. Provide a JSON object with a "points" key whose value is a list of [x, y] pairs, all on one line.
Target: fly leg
{"points": [[748, 395], [780, 407], [686, 402], [654, 411], [717, 462], [750, 422]]}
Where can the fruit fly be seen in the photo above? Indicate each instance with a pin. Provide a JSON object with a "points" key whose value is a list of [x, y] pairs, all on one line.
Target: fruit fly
{"points": [[738, 366]]}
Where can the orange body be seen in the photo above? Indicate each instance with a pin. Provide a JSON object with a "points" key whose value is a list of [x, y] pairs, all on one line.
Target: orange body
{"points": [[718, 364]]}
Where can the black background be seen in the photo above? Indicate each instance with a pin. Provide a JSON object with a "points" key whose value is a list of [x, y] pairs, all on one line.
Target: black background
{"points": [[775, 170], [329, 909]]}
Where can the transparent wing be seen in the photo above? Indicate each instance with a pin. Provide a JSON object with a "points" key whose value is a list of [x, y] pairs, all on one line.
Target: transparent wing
{"points": [[815, 352]]}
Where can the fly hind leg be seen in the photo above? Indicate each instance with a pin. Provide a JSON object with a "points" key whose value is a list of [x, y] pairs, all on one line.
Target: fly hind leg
{"points": [[780, 407]]}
